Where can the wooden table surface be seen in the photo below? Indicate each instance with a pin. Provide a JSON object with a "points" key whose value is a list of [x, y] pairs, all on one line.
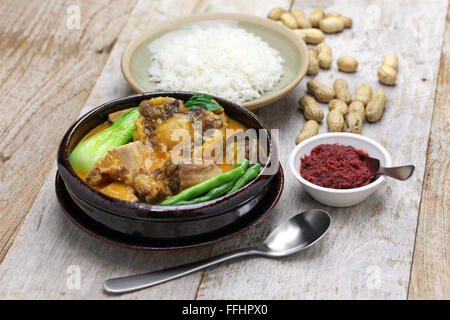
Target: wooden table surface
{"points": [[395, 245]]}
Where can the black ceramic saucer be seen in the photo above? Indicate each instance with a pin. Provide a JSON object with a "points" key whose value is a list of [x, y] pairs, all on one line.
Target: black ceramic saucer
{"points": [[99, 231]]}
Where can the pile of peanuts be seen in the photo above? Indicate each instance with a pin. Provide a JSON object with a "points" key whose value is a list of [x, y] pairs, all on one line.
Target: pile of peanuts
{"points": [[345, 112], [331, 22], [312, 31]]}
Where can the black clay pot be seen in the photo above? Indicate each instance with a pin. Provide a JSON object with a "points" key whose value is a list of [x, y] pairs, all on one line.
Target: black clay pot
{"points": [[163, 222]]}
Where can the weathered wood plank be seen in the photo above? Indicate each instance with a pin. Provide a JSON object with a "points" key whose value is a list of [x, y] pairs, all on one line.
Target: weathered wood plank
{"points": [[93, 258], [96, 260], [368, 251], [48, 70], [430, 274], [47, 223]]}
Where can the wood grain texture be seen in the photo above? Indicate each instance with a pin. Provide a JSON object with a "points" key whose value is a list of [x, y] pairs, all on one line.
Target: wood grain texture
{"points": [[368, 251], [58, 241], [48, 70], [430, 274]]}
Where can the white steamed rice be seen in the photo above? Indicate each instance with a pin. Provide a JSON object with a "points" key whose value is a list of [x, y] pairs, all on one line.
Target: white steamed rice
{"points": [[215, 58]]}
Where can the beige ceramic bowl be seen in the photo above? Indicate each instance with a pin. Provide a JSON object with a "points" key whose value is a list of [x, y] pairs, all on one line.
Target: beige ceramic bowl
{"points": [[136, 57]]}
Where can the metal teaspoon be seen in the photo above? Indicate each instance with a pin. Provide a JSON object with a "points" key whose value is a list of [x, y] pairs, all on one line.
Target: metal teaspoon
{"points": [[294, 235]]}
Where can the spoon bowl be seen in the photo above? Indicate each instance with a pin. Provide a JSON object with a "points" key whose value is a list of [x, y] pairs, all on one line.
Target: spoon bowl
{"points": [[296, 234], [400, 173]]}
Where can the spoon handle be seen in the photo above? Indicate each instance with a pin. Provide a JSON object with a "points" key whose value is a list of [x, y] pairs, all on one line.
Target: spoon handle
{"points": [[400, 173], [145, 280]]}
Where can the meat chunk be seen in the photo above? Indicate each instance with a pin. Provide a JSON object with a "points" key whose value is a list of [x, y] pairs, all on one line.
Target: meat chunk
{"points": [[160, 108], [162, 116], [182, 176], [96, 178], [173, 131], [130, 165], [149, 187], [121, 163], [214, 120]]}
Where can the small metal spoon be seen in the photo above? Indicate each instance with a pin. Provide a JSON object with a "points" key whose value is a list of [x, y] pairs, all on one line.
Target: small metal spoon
{"points": [[399, 173], [298, 233]]}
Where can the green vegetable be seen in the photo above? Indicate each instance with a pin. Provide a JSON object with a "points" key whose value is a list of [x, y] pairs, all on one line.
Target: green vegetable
{"points": [[201, 100], [85, 155], [211, 195], [205, 186], [244, 163], [248, 176], [217, 191]]}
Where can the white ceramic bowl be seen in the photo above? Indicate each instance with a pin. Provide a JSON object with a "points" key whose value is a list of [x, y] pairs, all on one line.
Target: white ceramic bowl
{"points": [[339, 197]]}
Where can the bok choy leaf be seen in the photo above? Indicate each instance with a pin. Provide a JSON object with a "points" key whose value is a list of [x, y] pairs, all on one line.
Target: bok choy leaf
{"points": [[85, 155]]}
